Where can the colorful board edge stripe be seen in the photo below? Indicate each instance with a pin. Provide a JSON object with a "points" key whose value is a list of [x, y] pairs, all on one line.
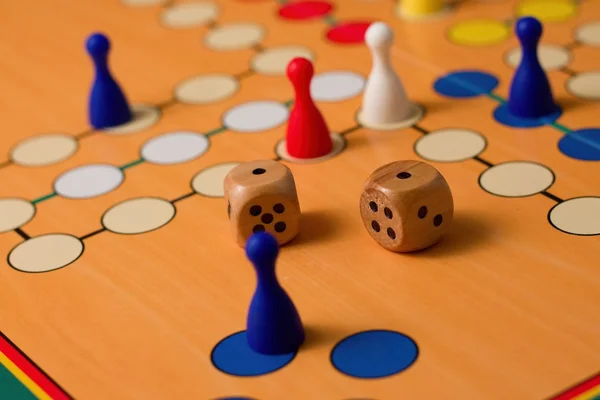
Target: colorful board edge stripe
{"points": [[28, 373], [588, 389]]}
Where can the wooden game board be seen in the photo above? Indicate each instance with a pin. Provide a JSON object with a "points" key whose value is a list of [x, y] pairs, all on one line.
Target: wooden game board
{"points": [[123, 280]]}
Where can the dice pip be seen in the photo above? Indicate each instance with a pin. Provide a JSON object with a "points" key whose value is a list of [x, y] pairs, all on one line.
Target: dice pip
{"points": [[261, 196], [406, 206]]}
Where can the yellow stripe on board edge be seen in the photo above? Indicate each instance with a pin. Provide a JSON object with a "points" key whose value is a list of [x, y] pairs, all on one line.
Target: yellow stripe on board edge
{"points": [[588, 395], [24, 379]]}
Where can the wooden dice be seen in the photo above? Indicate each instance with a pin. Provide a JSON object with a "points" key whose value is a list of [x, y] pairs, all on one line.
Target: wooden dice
{"points": [[261, 196], [406, 206]]}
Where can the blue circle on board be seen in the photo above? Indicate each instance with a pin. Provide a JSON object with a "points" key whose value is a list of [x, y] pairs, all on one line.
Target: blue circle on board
{"points": [[503, 115], [465, 84], [583, 144], [374, 354], [234, 356]]}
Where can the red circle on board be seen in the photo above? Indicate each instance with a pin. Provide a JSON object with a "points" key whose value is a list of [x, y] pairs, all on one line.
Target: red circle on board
{"points": [[305, 9], [348, 32]]}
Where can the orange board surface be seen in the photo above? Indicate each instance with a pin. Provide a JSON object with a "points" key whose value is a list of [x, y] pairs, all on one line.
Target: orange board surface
{"points": [[122, 278]]}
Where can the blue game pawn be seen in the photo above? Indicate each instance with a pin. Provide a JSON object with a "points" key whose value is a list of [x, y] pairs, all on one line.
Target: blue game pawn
{"points": [[530, 93], [273, 325], [108, 106]]}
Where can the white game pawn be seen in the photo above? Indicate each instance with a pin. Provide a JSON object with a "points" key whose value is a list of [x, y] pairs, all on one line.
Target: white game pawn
{"points": [[385, 104]]}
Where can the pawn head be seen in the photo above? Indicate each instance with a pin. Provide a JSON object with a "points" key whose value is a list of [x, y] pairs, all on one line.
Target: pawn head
{"points": [[300, 70], [379, 35], [529, 31], [97, 44], [262, 249]]}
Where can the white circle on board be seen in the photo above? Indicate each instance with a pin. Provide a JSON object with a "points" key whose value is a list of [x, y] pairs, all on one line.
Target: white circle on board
{"points": [[450, 145], [88, 181], [585, 85], [43, 150], [205, 89], [210, 181], [552, 57], [14, 213], [274, 61], [237, 36], [589, 33], [144, 116], [143, 3], [336, 86], [188, 15], [139, 215], [175, 148], [256, 116], [45, 253], [516, 179], [578, 216]]}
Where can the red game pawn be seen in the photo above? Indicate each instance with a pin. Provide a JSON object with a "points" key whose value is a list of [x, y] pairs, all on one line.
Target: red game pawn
{"points": [[307, 133]]}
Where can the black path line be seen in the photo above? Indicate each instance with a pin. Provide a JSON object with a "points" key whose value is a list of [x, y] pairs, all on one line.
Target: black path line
{"points": [[92, 233], [481, 160], [20, 232], [185, 196], [552, 197]]}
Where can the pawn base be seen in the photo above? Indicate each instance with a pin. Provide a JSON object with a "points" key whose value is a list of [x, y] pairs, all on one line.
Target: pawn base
{"points": [[338, 141], [415, 114]]}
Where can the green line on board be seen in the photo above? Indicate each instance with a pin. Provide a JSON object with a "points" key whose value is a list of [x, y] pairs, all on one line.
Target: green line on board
{"points": [[43, 198], [215, 131], [329, 20], [556, 125], [288, 103], [497, 98], [561, 128], [131, 164]]}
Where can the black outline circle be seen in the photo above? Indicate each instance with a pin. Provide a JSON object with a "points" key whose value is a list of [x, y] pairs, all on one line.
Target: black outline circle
{"points": [[485, 146], [55, 269], [312, 59], [137, 198], [166, 5], [170, 133], [511, 162], [212, 359], [207, 168], [572, 93], [179, 101], [567, 232], [153, 107], [38, 137], [418, 353], [26, 222], [88, 165], [265, 34], [232, 130]]}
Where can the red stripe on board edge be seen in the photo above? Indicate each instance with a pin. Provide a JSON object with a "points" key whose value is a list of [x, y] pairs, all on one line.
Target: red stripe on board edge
{"points": [[579, 388], [31, 370]]}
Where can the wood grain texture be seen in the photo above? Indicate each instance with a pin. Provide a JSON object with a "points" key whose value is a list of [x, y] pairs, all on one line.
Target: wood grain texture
{"points": [[261, 196], [406, 206], [503, 307]]}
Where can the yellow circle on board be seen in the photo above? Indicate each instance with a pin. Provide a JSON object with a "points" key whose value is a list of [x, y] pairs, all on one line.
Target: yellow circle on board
{"points": [[479, 32], [547, 10]]}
